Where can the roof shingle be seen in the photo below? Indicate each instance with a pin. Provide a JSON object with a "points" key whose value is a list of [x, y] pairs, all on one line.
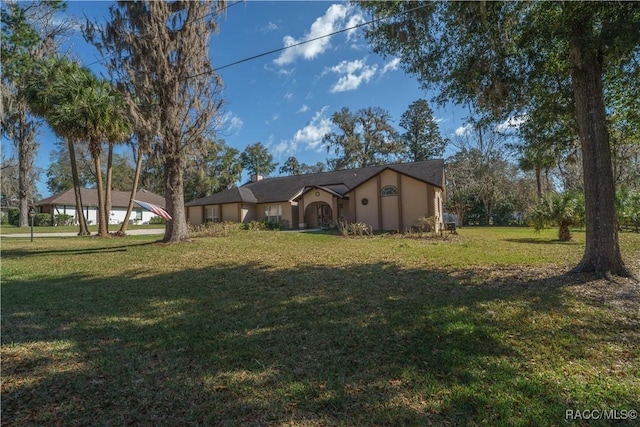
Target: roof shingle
{"points": [[119, 199], [281, 189]]}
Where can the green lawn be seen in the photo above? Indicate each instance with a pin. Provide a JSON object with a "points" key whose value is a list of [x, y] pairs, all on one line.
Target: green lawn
{"points": [[12, 229], [303, 329]]}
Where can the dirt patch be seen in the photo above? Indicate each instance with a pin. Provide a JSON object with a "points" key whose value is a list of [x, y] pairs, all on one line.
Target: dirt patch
{"points": [[621, 293]]}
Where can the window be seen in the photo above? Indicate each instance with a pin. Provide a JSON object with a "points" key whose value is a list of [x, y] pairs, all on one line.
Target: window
{"points": [[389, 190], [210, 214], [273, 214], [138, 216]]}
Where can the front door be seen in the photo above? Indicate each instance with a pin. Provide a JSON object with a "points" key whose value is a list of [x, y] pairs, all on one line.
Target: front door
{"points": [[324, 215]]}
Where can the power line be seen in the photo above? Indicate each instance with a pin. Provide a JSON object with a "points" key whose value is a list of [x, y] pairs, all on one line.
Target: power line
{"points": [[373, 21]]}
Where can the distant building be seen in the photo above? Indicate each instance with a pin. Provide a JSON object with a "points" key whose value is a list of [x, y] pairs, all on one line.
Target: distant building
{"points": [[65, 203]]}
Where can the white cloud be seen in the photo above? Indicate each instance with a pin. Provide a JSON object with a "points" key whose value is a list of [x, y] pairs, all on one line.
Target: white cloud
{"points": [[274, 117], [354, 20], [391, 65], [464, 130], [288, 96], [303, 109], [271, 27], [352, 74], [311, 135], [232, 122], [512, 123], [284, 148], [332, 21]]}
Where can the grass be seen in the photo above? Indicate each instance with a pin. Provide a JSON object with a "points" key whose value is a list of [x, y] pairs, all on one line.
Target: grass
{"points": [[12, 229], [302, 329]]}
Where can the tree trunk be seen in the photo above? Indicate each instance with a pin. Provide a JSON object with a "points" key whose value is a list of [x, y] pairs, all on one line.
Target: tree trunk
{"points": [[102, 219], [176, 229], [82, 221], [107, 197], [602, 252], [25, 164], [539, 181], [564, 232], [136, 180]]}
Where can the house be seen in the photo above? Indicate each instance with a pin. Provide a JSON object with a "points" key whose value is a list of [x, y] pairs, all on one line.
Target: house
{"points": [[65, 203], [387, 197]]}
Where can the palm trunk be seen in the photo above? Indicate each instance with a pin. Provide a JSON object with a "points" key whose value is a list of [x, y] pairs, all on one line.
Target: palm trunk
{"points": [[25, 164], [102, 219], [136, 180], [539, 181], [82, 220], [602, 251], [107, 198]]}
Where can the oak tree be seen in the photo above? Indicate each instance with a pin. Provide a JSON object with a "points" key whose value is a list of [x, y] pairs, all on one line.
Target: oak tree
{"points": [[490, 54]]}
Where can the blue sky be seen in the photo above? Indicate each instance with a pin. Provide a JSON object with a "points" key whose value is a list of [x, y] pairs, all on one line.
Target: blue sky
{"points": [[285, 100]]}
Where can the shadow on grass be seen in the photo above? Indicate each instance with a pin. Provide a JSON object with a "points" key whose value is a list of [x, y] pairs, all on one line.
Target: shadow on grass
{"points": [[370, 344], [531, 240], [18, 253]]}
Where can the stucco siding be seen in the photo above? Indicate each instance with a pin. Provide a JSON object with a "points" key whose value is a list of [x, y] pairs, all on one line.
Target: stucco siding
{"points": [[415, 200], [389, 204], [367, 213], [230, 212], [195, 215]]}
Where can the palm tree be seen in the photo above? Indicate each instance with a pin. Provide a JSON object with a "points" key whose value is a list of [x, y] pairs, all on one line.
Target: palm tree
{"points": [[96, 114], [43, 96], [564, 210], [83, 107]]}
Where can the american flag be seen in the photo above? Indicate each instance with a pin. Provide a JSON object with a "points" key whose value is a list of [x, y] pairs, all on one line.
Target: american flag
{"points": [[155, 209]]}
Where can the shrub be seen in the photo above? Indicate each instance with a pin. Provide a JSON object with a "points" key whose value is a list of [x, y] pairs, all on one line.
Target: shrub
{"points": [[13, 216], [62, 220], [426, 224], [213, 229], [256, 226], [42, 219], [353, 229], [156, 220]]}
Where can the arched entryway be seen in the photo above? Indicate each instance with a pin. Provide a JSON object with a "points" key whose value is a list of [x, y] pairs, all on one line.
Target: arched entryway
{"points": [[318, 215]]}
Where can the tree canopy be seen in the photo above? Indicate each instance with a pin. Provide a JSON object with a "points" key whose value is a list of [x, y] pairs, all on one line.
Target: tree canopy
{"points": [[257, 160], [365, 138], [422, 137], [495, 55]]}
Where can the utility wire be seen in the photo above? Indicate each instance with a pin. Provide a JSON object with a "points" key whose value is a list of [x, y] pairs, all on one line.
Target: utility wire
{"points": [[260, 55]]}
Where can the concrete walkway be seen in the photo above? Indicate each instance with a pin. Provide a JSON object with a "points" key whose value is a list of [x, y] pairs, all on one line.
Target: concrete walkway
{"points": [[27, 235]]}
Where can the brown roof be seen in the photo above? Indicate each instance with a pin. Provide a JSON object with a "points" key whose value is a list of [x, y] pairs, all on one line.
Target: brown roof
{"points": [[285, 188], [119, 199]]}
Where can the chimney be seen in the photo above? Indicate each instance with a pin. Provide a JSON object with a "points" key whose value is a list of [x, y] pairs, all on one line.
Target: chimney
{"points": [[255, 177]]}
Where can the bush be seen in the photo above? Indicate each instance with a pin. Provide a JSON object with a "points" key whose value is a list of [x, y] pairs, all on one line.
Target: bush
{"points": [[354, 229], [156, 220], [426, 224], [62, 220], [13, 216], [42, 220], [256, 226], [213, 229]]}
